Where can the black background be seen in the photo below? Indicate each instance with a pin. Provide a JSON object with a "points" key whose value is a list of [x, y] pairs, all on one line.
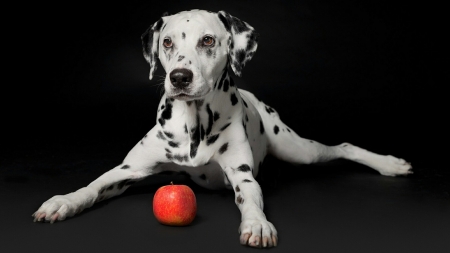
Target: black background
{"points": [[77, 98]]}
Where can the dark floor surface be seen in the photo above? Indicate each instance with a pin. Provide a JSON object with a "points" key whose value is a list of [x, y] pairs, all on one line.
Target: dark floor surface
{"points": [[340, 207]]}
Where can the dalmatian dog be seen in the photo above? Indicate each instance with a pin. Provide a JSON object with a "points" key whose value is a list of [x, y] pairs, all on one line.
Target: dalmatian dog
{"points": [[209, 128]]}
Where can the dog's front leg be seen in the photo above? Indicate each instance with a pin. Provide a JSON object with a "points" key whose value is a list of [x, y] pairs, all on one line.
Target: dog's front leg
{"points": [[254, 230], [138, 164]]}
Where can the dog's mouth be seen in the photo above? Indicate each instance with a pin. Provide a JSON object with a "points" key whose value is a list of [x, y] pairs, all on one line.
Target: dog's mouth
{"points": [[185, 97]]}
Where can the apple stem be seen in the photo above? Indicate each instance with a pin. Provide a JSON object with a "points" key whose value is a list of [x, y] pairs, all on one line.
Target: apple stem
{"points": [[171, 182]]}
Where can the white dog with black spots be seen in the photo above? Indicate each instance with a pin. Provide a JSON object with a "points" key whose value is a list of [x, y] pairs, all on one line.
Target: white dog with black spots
{"points": [[209, 128]]}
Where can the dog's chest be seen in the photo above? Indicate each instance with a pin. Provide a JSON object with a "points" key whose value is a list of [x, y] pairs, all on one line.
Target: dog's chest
{"points": [[193, 131]]}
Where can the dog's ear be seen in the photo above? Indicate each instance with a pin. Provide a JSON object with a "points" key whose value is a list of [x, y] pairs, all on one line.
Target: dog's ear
{"points": [[242, 43], [150, 39]]}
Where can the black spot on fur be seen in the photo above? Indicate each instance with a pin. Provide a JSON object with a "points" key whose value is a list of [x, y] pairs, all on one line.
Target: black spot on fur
{"points": [[239, 200], [195, 139], [261, 127], [246, 117], [233, 99], [161, 121], [160, 136], [180, 58], [212, 139], [202, 133], [209, 52], [168, 150], [237, 66], [216, 116], [244, 168], [185, 128], [225, 127], [226, 85], [240, 56], [167, 113], [252, 39], [210, 119], [225, 22], [162, 107], [168, 134], [122, 184], [245, 128], [199, 103], [202, 176], [276, 129], [223, 148], [247, 181], [126, 166], [189, 103], [110, 188], [289, 130], [237, 189], [183, 35], [159, 24], [169, 156], [243, 101], [181, 158], [269, 109], [173, 144]]}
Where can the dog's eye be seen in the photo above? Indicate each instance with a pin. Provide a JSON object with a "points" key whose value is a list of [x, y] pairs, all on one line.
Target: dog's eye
{"points": [[208, 41], [167, 43]]}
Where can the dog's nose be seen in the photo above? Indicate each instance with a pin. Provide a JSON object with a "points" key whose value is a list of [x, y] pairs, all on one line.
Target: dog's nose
{"points": [[181, 78]]}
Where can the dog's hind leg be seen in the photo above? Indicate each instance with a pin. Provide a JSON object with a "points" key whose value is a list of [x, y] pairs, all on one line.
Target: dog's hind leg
{"points": [[286, 145]]}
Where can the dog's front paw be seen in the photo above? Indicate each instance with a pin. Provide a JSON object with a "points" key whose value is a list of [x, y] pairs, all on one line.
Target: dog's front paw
{"points": [[258, 233], [60, 207]]}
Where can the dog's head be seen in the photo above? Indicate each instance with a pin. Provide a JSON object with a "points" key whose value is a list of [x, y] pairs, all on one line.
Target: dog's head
{"points": [[194, 47]]}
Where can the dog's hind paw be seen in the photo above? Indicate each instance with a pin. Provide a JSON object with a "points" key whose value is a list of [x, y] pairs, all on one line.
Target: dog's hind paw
{"points": [[393, 166]]}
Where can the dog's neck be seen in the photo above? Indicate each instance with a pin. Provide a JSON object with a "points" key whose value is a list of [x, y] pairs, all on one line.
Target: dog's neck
{"points": [[208, 116]]}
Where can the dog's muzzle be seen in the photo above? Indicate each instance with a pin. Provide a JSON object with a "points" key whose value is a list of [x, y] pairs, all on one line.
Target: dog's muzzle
{"points": [[181, 78]]}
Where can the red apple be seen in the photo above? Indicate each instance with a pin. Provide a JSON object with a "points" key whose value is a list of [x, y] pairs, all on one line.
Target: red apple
{"points": [[175, 205]]}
